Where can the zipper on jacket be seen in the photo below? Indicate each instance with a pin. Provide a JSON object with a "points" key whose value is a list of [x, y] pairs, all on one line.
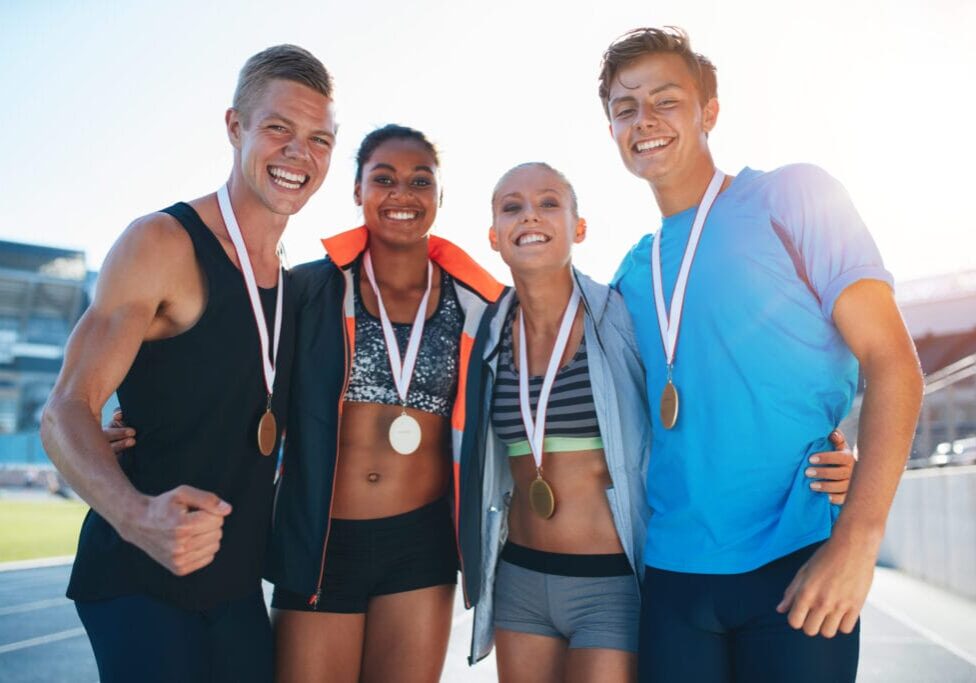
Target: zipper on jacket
{"points": [[313, 600]]}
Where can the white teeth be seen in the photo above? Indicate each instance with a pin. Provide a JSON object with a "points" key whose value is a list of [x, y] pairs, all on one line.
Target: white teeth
{"points": [[401, 215], [285, 175], [652, 144], [531, 238], [284, 183]]}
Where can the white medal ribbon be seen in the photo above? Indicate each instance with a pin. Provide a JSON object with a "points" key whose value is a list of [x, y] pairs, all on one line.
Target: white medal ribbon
{"points": [[669, 325], [535, 429], [402, 371], [234, 230]]}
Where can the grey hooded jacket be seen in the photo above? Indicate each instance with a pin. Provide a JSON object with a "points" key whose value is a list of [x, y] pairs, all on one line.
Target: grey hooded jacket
{"points": [[485, 481]]}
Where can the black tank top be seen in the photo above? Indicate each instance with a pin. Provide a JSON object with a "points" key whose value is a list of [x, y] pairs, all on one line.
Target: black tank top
{"points": [[195, 400]]}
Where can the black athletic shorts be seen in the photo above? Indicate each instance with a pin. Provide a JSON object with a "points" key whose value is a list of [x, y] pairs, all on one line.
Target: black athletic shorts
{"points": [[367, 557]]}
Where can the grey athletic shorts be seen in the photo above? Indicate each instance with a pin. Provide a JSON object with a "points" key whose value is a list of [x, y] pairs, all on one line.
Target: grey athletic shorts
{"points": [[589, 611]]}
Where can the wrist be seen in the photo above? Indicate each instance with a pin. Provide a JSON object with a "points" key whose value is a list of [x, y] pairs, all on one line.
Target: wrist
{"points": [[861, 534], [129, 515]]}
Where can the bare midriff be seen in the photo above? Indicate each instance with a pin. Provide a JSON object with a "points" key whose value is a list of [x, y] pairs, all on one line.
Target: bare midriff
{"points": [[372, 479], [582, 522]]}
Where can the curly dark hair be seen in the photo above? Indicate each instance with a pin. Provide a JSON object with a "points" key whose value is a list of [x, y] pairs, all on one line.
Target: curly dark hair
{"points": [[643, 41], [390, 131]]}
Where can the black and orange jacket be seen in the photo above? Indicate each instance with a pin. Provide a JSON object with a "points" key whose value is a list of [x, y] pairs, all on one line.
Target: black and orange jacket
{"points": [[324, 344]]}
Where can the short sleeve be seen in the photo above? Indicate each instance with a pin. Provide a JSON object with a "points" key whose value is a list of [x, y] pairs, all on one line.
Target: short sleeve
{"points": [[630, 261], [833, 242]]}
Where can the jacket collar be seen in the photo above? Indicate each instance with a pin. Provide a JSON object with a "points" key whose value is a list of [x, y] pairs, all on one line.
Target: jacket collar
{"points": [[596, 298], [346, 247]]}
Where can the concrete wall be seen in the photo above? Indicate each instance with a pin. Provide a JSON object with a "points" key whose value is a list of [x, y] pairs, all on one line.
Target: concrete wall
{"points": [[931, 530]]}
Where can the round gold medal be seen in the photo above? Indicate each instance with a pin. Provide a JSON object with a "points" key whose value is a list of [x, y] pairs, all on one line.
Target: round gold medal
{"points": [[267, 432], [669, 406], [541, 498]]}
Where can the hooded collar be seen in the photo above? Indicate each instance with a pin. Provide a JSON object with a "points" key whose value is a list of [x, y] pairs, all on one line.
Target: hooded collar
{"points": [[347, 246]]}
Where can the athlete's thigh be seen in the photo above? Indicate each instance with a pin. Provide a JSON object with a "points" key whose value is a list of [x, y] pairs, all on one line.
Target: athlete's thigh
{"points": [[139, 638], [680, 638], [317, 646], [241, 645], [406, 635], [771, 650], [529, 658], [600, 665]]}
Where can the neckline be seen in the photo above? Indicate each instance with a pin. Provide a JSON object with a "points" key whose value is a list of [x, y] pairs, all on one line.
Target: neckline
{"points": [[684, 214], [357, 289], [510, 349], [212, 236]]}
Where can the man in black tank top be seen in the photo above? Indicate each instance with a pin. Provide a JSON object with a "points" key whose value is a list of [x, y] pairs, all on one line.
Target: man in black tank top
{"points": [[193, 325]]}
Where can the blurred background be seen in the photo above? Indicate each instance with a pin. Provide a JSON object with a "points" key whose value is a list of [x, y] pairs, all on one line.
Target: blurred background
{"points": [[112, 110]]}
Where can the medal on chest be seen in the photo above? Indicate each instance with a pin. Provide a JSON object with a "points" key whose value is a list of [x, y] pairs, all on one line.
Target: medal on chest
{"points": [[542, 499], [405, 433], [267, 431], [669, 320]]}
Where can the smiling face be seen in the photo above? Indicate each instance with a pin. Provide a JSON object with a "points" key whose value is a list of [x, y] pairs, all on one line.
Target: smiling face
{"points": [[283, 145], [399, 192], [657, 118], [534, 222]]}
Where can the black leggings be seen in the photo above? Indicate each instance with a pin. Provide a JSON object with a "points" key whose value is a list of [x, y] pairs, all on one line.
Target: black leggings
{"points": [[138, 638], [719, 628]]}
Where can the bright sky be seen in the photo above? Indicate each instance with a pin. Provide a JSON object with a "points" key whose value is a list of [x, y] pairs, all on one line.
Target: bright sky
{"points": [[113, 110]]}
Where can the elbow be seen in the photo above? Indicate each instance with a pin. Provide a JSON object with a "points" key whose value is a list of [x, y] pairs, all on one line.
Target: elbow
{"points": [[51, 420]]}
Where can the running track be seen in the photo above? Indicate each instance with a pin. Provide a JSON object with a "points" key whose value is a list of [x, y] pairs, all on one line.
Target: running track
{"points": [[910, 633]]}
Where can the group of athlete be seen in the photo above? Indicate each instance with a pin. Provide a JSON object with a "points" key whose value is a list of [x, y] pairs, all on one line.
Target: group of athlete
{"points": [[637, 481]]}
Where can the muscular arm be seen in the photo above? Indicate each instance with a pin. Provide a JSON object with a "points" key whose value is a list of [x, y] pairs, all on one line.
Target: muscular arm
{"points": [[829, 591], [134, 288]]}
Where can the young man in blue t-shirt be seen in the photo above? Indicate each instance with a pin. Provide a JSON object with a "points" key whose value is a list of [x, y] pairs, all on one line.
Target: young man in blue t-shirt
{"points": [[754, 305]]}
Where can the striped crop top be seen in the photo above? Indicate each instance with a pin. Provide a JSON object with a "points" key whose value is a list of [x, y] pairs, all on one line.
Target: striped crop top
{"points": [[571, 423]]}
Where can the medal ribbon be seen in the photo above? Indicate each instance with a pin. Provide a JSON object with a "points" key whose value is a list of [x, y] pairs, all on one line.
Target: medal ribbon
{"points": [[402, 372], [234, 230], [669, 326], [535, 429]]}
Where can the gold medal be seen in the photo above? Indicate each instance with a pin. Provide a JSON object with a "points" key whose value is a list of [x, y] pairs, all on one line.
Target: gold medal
{"points": [[541, 498], [669, 405], [267, 432]]}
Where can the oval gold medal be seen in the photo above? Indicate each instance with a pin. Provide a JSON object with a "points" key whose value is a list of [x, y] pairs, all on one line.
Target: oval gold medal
{"points": [[669, 406], [541, 498], [267, 432]]}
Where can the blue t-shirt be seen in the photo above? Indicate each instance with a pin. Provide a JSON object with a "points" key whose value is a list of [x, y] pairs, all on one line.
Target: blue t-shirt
{"points": [[762, 372]]}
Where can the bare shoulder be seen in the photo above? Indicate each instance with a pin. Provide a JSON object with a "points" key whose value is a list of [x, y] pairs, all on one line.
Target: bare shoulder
{"points": [[152, 259], [155, 236]]}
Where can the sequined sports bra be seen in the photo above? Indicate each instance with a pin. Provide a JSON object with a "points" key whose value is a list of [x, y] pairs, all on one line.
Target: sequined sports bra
{"points": [[435, 377]]}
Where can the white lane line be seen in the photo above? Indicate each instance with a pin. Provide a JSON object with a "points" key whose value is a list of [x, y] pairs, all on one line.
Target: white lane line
{"points": [[927, 633], [32, 606], [18, 565], [42, 640]]}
